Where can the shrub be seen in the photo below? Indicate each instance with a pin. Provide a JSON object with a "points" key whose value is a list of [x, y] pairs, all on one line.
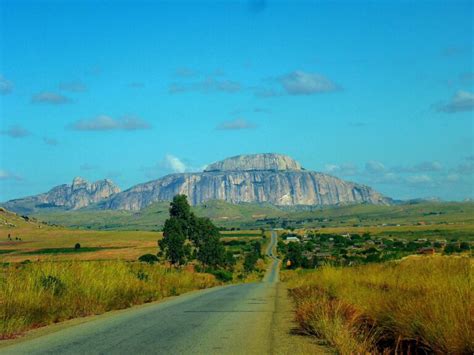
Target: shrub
{"points": [[148, 258], [222, 275], [77, 246], [53, 284]]}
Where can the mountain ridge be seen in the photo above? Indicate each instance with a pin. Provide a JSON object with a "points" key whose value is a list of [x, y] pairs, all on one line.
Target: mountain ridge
{"points": [[271, 178]]}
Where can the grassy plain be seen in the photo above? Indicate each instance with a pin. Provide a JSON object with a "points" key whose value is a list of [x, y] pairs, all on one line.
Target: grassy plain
{"points": [[420, 302], [33, 240]]}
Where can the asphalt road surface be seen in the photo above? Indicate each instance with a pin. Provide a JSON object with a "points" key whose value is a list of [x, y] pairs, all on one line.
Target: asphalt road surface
{"points": [[235, 319]]}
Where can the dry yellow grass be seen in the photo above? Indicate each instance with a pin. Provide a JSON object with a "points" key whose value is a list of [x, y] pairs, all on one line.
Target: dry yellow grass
{"points": [[128, 245], [419, 302], [42, 293]]}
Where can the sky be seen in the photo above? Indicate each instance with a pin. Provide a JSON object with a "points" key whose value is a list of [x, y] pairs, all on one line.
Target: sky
{"points": [[379, 92]]}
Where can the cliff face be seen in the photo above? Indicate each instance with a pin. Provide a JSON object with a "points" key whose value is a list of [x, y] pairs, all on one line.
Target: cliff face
{"points": [[270, 178], [77, 195]]}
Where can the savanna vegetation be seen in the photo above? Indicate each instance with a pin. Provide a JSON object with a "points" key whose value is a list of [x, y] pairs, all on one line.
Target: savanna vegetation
{"points": [[40, 293], [421, 304], [50, 274]]}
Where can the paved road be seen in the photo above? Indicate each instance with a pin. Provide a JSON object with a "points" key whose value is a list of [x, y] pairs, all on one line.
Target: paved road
{"points": [[224, 320]]}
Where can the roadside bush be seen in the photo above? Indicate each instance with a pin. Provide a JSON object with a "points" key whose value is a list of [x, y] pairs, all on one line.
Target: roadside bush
{"points": [[222, 275]]}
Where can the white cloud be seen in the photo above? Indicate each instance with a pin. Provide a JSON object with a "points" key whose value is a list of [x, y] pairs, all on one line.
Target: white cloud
{"points": [[419, 179], [16, 131], [452, 178], [462, 101], [50, 98], [174, 164], [73, 86], [303, 83], [107, 123], [426, 166], [346, 169], [375, 167], [237, 124], [205, 86], [7, 175]]}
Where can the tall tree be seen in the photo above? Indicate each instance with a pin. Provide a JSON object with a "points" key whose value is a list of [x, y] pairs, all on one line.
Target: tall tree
{"points": [[173, 241], [180, 209], [202, 229], [203, 234]]}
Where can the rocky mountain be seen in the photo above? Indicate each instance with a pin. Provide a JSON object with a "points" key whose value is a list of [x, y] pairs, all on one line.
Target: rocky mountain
{"points": [[77, 195], [259, 178], [271, 178]]}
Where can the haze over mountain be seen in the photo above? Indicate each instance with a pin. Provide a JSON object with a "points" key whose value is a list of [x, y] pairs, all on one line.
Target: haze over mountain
{"points": [[259, 178]]}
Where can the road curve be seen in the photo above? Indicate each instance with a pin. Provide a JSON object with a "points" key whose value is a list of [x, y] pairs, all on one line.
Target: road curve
{"points": [[233, 319]]}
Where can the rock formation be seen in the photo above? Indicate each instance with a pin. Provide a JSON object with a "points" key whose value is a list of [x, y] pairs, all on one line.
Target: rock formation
{"points": [[270, 178], [77, 195]]}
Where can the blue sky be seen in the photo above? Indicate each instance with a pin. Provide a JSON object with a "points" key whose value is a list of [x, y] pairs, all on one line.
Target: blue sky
{"points": [[378, 92]]}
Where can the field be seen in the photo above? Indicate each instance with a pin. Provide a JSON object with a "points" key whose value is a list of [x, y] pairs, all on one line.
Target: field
{"points": [[32, 240], [418, 304]]}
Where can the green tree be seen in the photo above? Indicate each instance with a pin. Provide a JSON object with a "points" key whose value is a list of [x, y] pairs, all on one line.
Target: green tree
{"points": [[180, 209], [463, 246], [250, 261], [229, 260], [211, 252], [201, 229], [173, 241], [257, 248], [294, 254]]}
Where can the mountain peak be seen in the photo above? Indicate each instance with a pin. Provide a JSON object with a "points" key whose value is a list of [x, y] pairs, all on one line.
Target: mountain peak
{"points": [[78, 181], [252, 162]]}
